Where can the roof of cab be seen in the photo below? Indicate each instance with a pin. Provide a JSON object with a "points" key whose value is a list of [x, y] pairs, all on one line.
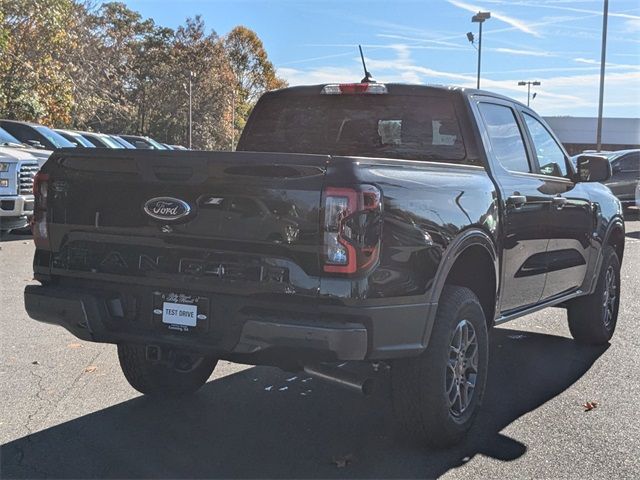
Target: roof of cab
{"points": [[398, 89]]}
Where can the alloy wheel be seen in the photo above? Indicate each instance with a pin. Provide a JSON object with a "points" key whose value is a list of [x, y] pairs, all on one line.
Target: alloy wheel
{"points": [[462, 368], [609, 297]]}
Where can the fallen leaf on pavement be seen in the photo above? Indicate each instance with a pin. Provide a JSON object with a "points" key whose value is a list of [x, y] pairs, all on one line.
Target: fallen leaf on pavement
{"points": [[74, 345], [343, 461], [91, 368], [35, 362], [589, 406]]}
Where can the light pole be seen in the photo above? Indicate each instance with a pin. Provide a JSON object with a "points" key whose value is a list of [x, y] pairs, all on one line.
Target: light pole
{"points": [[479, 17], [528, 84], [603, 56]]}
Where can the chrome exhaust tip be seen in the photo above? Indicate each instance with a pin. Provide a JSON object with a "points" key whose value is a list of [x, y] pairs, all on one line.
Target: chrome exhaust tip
{"points": [[343, 378]]}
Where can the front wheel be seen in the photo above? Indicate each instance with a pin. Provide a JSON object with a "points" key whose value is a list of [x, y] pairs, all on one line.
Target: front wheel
{"points": [[593, 318], [437, 395], [177, 373]]}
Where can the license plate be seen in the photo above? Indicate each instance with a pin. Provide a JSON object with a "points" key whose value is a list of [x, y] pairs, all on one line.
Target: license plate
{"points": [[179, 314]]}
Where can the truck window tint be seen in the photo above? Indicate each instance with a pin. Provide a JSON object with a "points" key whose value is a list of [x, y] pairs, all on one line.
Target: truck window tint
{"points": [[505, 136], [551, 158], [385, 126], [630, 163], [55, 138]]}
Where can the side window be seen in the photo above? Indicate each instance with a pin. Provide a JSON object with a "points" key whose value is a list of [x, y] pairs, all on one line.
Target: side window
{"points": [[27, 133], [550, 156], [505, 136], [630, 163], [14, 130]]}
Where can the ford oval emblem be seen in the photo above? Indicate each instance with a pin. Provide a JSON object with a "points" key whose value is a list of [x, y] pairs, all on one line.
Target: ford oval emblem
{"points": [[166, 208]]}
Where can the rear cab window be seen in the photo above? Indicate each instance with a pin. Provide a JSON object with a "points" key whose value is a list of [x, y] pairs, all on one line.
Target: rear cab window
{"points": [[396, 126]]}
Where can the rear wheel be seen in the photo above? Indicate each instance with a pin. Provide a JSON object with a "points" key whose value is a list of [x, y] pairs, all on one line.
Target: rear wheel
{"points": [[593, 318], [177, 373], [437, 395]]}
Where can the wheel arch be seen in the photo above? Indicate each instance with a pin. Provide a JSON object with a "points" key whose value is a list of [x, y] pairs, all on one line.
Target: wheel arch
{"points": [[473, 249], [615, 237]]}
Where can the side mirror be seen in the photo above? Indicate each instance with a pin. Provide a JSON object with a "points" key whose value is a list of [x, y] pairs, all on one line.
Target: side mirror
{"points": [[593, 168]]}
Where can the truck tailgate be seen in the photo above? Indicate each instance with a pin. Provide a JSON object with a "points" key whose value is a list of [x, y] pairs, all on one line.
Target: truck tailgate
{"points": [[239, 221]]}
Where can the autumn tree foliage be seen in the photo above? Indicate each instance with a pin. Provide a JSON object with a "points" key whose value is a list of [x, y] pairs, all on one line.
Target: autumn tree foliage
{"points": [[65, 63]]}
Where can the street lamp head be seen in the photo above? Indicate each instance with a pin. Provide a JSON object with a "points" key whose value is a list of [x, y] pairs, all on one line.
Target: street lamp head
{"points": [[481, 17], [470, 37], [520, 84], [536, 83]]}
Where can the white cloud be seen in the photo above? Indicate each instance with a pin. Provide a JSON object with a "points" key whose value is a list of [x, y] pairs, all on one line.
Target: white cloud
{"points": [[557, 5], [591, 61], [527, 53], [320, 75], [514, 22], [632, 26], [588, 61], [577, 10], [440, 43]]}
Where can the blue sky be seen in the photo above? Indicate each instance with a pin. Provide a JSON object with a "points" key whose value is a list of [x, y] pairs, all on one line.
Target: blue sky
{"points": [[554, 41]]}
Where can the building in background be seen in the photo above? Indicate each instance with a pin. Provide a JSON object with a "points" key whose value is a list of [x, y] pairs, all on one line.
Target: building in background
{"points": [[578, 134]]}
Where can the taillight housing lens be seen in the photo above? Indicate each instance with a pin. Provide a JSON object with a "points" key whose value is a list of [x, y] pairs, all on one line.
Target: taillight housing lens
{"points": [[39, 221], [351, 228]]}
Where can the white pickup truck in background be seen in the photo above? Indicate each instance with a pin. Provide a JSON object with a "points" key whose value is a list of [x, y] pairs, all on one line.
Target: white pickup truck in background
{"points": [[17, 170], [19, 164]]}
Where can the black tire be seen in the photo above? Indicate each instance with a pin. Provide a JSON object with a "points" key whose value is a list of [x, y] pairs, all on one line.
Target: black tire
{"points": [[419, 385], [180, 374], [593, 318]]}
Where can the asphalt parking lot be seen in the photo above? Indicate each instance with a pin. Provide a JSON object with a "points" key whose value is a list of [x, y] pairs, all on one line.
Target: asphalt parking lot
{"points": [[68, 411]]}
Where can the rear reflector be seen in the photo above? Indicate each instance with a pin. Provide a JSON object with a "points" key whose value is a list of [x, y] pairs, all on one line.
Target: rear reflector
{"points": [[354, 88]]}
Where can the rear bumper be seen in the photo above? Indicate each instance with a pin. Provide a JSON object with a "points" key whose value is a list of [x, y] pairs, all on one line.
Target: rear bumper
{"points": [[241, 329]]}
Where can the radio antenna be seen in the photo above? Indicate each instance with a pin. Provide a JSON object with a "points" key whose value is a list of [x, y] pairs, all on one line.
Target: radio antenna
{"points": [[368, 78]]}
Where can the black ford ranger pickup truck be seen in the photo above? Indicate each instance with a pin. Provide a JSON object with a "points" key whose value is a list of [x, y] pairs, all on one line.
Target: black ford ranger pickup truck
{"points": [[371, 223]]}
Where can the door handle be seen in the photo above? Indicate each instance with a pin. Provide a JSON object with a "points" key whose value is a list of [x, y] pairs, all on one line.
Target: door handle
{"points": [[558, 202], [516, 201]]}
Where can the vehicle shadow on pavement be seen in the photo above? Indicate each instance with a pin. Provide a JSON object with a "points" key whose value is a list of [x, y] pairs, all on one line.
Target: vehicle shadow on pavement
{"points": [[238, 427], [15, 237]]}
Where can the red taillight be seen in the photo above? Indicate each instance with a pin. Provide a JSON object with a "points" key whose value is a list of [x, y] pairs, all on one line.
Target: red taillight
{"points": [[39, 221], [354, 88], [351, 228]]}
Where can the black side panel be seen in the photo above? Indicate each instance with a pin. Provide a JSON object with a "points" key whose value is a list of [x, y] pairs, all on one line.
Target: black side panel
{"points": [[426, 206]]}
